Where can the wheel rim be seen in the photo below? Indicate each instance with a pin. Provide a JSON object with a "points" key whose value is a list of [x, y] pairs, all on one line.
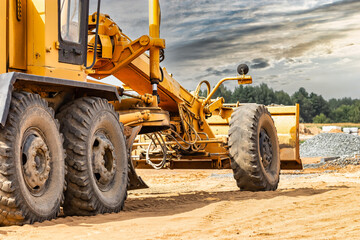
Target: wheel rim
{"points": [[104, 163], [35, 161], [266, 152]]}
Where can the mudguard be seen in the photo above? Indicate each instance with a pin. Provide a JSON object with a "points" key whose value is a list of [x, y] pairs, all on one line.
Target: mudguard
{"points": [[135, 181], [6, 88], [7, 81]]}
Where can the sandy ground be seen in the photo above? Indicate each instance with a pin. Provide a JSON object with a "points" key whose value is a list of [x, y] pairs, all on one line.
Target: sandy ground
{"points": [[206, 204]]}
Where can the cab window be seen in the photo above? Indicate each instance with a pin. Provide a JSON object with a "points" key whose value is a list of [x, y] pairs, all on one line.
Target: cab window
{"points": [[70, 20], [72, 29]]}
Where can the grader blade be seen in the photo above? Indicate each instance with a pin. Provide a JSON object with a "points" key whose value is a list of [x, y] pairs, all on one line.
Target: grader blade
{"points": [[286, 120]]}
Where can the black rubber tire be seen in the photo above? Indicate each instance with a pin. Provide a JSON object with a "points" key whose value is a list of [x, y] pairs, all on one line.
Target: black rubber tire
{"points": [[20, 203], [81, 123], [251, 173]]}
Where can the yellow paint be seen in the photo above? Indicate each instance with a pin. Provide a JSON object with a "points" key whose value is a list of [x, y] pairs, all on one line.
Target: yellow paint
{"points": [[40, 9], [36, 33], [286, 120], [154, 32], [42, 40], [241, 80], [214, 105], [17, 36], [30, 44], [3, 36], [106, 46], [285, 110]]}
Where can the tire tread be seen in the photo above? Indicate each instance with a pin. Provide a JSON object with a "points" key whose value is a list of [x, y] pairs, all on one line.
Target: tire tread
{"points": [[13, 210], [75, 122], [244, 158]]}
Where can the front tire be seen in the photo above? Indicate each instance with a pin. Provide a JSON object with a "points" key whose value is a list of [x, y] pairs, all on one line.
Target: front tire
{"points": [[96, 158], [254, 148], [32, 166]]}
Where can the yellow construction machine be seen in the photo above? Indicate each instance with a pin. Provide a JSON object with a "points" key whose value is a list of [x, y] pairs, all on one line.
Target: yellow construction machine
{"points": [[67, 140]]}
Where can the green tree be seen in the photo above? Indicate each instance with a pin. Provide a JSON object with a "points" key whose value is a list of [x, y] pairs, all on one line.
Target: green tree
{"points": [[354, 113], [282, 97], [340, 114], [223, 92], [313, 107], [321, 118], [307, 112]]}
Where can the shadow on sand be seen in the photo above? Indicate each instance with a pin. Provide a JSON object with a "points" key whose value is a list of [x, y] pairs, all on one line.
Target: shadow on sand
{"points": [[171, 205]]}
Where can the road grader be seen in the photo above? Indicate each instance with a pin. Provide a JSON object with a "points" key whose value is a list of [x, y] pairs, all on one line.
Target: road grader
{"points": [[69, 141]]}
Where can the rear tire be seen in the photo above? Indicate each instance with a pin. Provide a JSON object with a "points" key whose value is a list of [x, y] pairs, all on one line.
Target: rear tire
{"points": [[254, 148], [32, 165], [96, 157]]}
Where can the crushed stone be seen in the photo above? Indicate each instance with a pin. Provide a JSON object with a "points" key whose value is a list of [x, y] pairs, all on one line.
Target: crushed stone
{"points": [[345, 160], [344, 149], [330, 145]]}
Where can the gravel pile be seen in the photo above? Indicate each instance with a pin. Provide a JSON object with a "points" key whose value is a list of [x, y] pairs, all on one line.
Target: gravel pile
{"points": [[335, 162], [331, 145], [344, 161]]}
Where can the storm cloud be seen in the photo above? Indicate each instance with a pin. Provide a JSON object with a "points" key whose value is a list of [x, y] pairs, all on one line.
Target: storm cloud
{"points": [[259, 63], [295, 40]]}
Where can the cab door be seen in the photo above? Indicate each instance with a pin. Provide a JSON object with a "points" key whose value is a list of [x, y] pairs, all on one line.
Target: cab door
{"points": [[73, 26]]}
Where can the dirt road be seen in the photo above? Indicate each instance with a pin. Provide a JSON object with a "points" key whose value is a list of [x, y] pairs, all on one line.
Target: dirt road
{"points": [[192, 204]]}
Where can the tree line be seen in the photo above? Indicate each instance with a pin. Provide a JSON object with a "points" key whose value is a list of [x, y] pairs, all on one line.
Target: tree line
{"points": [[313, 107]]}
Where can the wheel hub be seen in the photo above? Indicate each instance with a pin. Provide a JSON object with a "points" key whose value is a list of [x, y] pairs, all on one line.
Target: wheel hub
{"points": [[265, 149], [36, 162], [103, 161]]}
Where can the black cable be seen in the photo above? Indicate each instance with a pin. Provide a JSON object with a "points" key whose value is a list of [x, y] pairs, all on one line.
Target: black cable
{"points": [[96, 37], [162, 55], [162, 75]]}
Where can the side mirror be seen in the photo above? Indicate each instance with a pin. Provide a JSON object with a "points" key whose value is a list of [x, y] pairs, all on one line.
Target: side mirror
{"points": [[243, 69]]}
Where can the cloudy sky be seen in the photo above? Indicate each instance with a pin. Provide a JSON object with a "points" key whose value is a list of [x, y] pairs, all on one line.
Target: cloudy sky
{"points": [[287, 44]]}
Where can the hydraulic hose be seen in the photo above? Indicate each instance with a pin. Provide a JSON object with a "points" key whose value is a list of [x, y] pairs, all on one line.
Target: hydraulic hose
{"points": [[96, 38]]}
